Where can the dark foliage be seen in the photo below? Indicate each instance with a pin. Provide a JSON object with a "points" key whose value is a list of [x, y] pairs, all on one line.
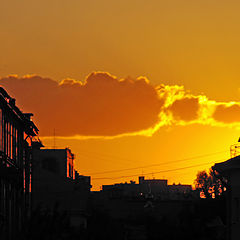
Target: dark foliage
{"points": [[211, 184]]}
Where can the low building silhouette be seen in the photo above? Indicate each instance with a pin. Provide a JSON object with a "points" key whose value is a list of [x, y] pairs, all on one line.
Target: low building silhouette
{"points": [[156, 188], [17, 131], [152, 209], [55, 182]]}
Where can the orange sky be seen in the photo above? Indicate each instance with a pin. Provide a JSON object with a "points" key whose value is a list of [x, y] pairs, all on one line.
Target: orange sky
{"points": [[185, 105]]}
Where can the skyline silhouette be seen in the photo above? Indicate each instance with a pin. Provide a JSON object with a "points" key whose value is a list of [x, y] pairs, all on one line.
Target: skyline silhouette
{"points": [[95, 95], [78, 114]]}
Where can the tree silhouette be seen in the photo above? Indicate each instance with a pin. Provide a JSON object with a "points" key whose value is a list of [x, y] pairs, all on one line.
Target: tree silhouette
{"points": [[211, 184]]}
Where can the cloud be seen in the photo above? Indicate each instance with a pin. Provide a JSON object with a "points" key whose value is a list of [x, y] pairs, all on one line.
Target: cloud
{"points": [[227, 113], [100, 106], [104, 106], [185, 109]]}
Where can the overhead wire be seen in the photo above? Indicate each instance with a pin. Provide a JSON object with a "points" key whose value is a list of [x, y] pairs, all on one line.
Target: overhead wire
{"points": [[162, 171], [157, 164]]}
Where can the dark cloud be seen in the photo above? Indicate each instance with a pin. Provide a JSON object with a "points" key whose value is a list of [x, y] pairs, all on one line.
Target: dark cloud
{"points": [[185, 109], [105, 106], [227, 114], [101, 106]]}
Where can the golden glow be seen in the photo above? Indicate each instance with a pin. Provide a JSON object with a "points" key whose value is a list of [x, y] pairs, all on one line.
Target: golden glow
{"points": [[187, 105]]}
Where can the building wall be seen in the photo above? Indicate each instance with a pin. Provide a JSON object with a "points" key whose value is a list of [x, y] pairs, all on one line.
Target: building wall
{"points": [[59, 161], [70, 164], [155, 188], [230, 171], [54, 182], [50, 189], [16, 132], [53, 160], [234, 204]]}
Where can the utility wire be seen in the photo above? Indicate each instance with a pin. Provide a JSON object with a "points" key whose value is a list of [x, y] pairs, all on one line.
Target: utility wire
{"points": [[157, 164], [163, 171]]}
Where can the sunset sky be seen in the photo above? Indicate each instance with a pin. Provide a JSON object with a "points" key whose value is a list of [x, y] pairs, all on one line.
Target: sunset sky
{"points": [[132, 87]]}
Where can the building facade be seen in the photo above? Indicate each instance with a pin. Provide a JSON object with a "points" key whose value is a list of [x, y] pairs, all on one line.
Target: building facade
{"points": [[55, 182], [230, 170], [155, 188], [58, 161], [16, 133]]}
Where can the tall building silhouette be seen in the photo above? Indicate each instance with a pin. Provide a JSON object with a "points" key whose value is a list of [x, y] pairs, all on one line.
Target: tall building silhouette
{"points": [[17, 131], [55, 182]]}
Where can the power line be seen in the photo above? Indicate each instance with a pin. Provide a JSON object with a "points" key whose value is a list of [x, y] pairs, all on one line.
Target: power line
{"points": [[163, 171], [154, 165]]}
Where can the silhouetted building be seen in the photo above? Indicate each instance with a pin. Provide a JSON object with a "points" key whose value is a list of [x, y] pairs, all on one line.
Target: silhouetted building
{"points": [[179, 190], [119, 190], [56, 182], [58, 161], [85, 181], [16, 133], [157, 188], [230, 170]]}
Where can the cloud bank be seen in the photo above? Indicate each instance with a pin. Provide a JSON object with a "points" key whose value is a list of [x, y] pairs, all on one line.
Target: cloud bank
{"points": [[104, 106]]}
